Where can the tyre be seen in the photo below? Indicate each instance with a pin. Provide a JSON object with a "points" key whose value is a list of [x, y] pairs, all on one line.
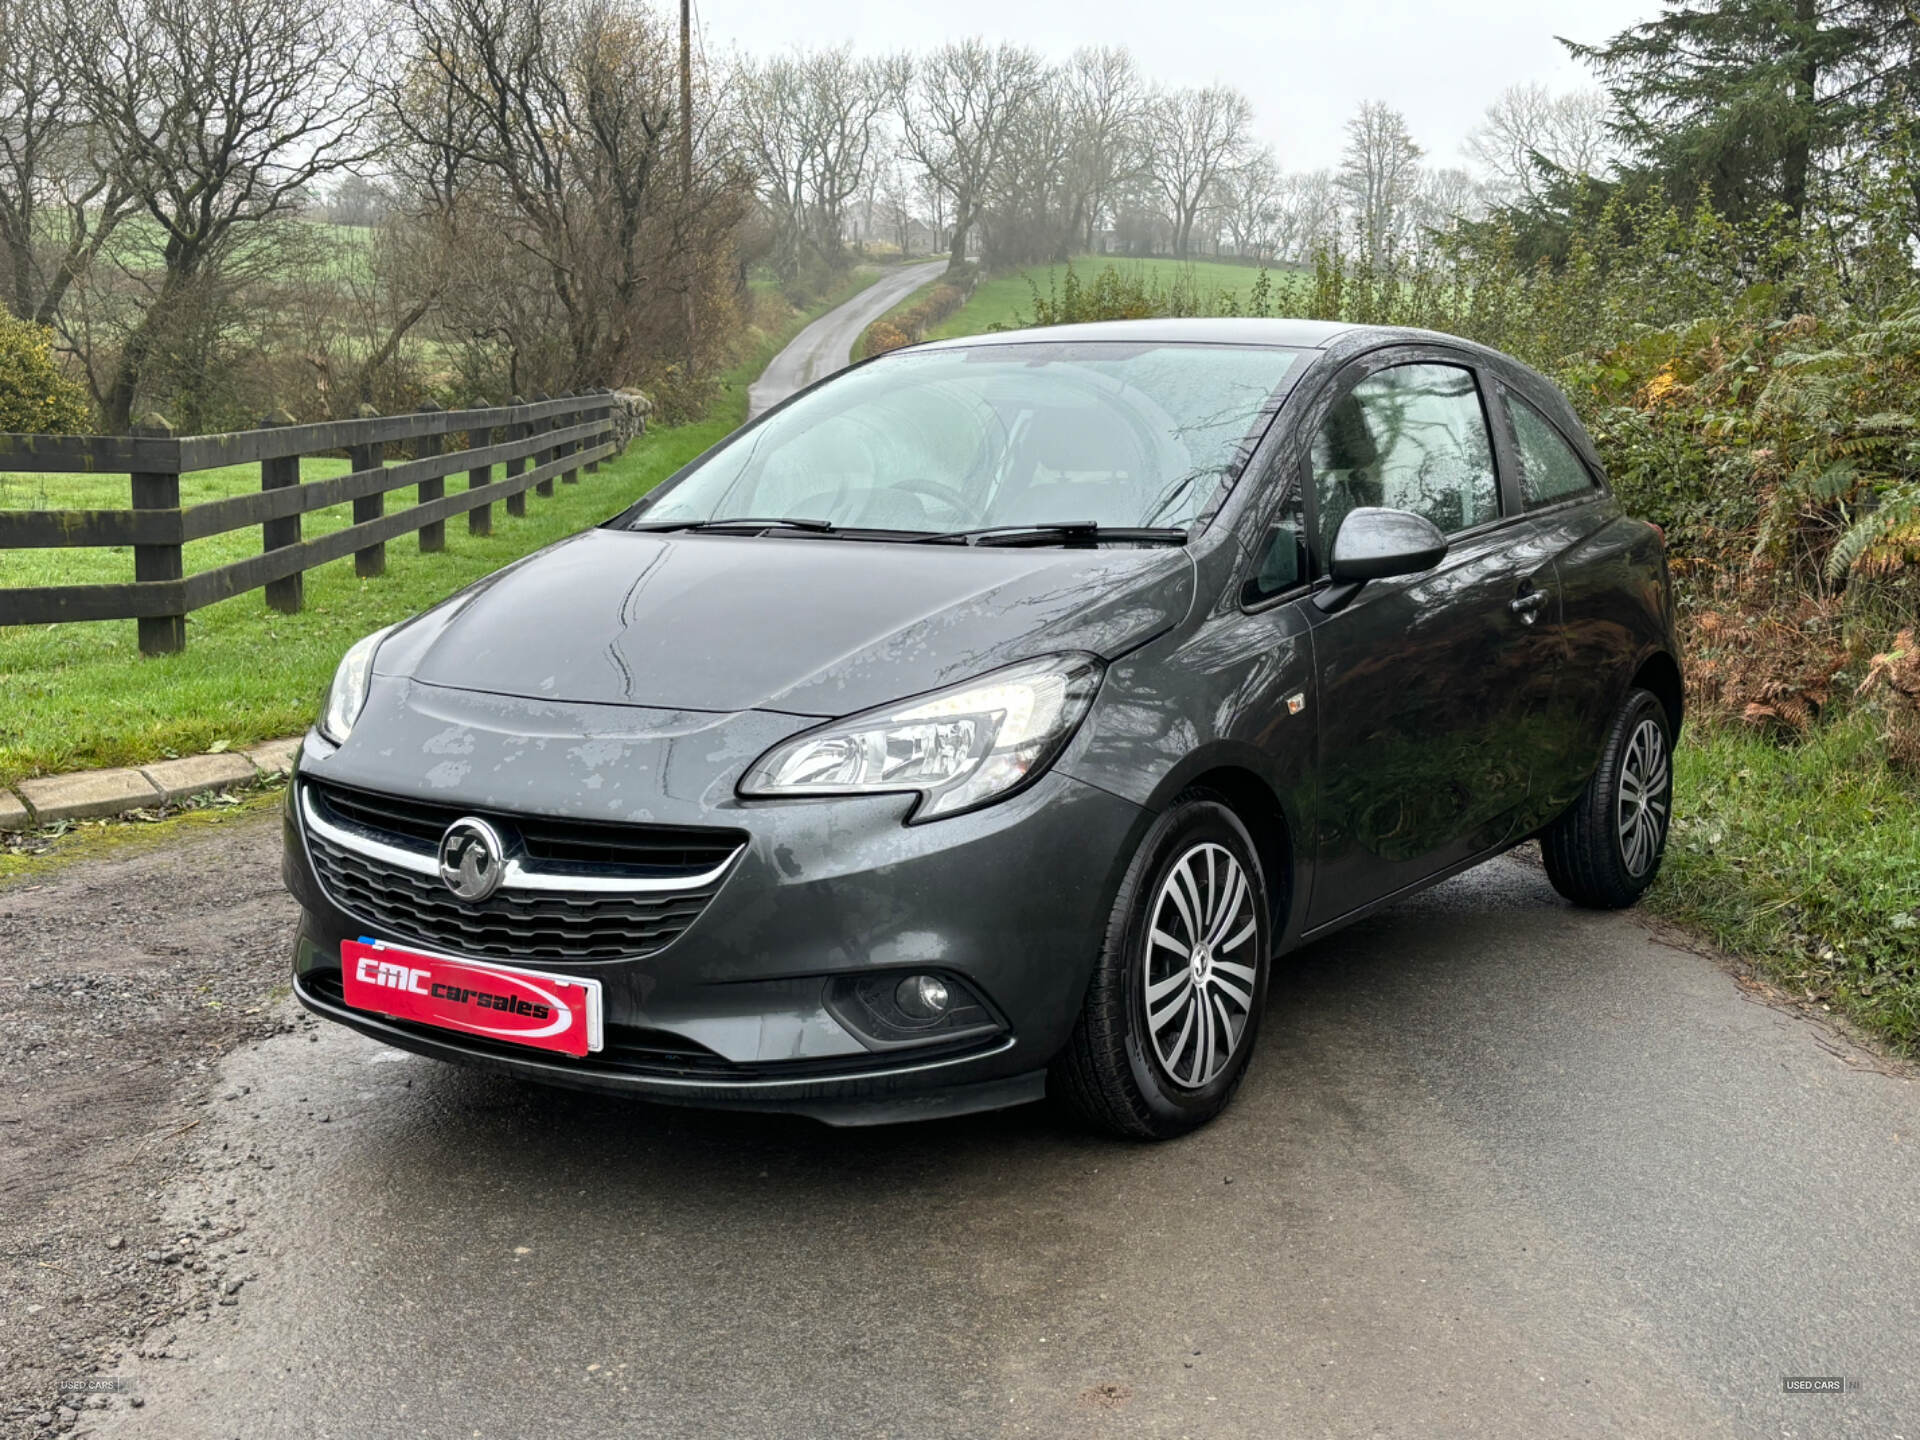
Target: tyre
{"points": [[1174, 1005], [1606, 849]]}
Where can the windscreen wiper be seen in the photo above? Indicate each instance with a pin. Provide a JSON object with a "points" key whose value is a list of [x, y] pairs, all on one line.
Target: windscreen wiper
{"points": [[1055, 532], [739, 522]]}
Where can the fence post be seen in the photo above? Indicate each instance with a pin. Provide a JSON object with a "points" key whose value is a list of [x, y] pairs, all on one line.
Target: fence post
{"points": [[287, 594], [433, 535], [593, 466], [158, 490], [371, 561], [571, 476], [540, 457], [480, 518], [519, 430]]}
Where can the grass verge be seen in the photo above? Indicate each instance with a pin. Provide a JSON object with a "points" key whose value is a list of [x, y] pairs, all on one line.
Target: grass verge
{"points": [[82, 695], [1805, 858], [36, 853], [1007, 299]]}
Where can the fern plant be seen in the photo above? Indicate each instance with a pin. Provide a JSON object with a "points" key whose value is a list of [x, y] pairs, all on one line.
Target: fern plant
{"points": [[1882, 542]]}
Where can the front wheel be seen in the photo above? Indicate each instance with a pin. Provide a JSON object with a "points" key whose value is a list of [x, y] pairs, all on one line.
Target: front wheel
{"points": [[1605, 850], [1174, 1004]]}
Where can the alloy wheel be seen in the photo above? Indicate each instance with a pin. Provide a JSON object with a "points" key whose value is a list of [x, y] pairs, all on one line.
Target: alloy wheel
{"points": [[1640, 813], [1198, 981]]}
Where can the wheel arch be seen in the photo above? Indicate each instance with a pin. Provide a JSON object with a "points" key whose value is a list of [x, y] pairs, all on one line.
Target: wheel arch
{"points": [[1259, 808], [1660, 673]]}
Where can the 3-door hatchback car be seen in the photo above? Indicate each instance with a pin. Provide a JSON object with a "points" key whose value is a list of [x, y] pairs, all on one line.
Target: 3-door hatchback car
{"points": [[984, 720]]}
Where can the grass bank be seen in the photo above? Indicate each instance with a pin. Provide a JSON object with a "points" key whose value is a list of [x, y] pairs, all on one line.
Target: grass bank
{"points": [[1805, 858], [1007, 299], [82, 695]]}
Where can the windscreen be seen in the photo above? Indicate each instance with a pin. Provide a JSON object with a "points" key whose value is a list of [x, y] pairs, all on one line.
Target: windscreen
{"points": [[1012, 434]]}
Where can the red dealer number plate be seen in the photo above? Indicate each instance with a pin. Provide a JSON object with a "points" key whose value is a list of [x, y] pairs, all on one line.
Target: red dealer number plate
{"points": [[527, 1007]]}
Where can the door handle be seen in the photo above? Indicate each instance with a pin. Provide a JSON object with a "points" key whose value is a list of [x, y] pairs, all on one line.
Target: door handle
{"points": [[1527, 606]]}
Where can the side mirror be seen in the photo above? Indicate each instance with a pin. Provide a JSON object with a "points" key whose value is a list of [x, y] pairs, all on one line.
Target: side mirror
{"points": [[1377, 544]]}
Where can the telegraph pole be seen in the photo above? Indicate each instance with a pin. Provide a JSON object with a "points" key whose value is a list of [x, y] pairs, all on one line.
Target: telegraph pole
{"points": [[686, 97], [686, 173]]}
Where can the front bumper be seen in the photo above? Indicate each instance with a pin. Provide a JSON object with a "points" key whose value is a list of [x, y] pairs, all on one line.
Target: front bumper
{"points": [[1011, 900], [837, 1094]]}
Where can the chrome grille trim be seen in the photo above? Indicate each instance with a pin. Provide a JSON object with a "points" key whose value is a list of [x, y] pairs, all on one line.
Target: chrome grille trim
{"points": [[390, 883], [518, 874]]}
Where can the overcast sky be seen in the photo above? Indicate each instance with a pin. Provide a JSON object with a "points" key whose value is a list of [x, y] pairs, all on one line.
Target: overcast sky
{"points": [[1304, 66]]}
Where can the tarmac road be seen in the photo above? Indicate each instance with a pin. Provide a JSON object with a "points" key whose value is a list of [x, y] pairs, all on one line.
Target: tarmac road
{"points": [[822, 348], [1500, 1168]]}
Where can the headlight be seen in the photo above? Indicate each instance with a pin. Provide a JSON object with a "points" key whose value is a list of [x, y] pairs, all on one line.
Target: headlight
{"points": [[349, 691], [958, 748]]}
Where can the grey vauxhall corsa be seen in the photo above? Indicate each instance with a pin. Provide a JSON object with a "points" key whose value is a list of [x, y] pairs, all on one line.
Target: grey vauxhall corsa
{"points": [[983, 721]]}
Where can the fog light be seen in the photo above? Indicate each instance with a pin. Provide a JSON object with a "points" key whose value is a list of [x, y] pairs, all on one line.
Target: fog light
{"points": [[887, 1011], [923, 997]]}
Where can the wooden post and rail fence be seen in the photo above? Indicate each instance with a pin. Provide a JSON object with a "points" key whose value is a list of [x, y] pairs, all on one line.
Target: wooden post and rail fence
{"points": [[507, 451]]}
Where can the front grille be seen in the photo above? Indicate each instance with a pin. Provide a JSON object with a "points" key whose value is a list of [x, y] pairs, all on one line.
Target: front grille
{"points": [[639, 849], [513, 924]]}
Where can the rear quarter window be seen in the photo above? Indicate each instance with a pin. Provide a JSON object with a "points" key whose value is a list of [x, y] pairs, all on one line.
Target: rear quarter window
{"points": [[1550, 469]]}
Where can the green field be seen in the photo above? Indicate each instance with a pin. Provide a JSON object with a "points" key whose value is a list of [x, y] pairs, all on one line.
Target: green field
{"points": [[1007, 299], [82, 695]]}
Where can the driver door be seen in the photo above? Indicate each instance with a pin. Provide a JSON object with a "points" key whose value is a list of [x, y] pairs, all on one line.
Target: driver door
{"points": [[1426, 682]]}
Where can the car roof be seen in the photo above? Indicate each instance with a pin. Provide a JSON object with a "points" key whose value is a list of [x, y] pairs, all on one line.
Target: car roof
{"points": [[1298, 334], [1344, 342]]}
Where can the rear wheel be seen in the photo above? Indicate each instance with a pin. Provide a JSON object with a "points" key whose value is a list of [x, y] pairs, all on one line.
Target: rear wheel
{"points": [[1174, 1004], [1606, 849]]}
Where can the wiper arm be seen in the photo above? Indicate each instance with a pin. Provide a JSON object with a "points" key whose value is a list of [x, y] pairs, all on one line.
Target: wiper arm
{"points": [[739, 522], [1050, 532]]}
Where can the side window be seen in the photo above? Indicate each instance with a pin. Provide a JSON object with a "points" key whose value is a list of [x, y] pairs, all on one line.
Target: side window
{"points": [[1549, 468], [1410, 438], [1282, 560]]}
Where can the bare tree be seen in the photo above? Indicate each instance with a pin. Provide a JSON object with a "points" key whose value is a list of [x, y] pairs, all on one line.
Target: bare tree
{"points": [[1583, 139], [957, 117], [1380, 175], [1250, 197], [1195, 136], [62, 190], [1528, 125], [1107, 105], [772, 129], [359, 201], [1306, 216], [812, 128], [933, 202], [1028, 210], [224, 113], [845, 102], [1443, 196], [896, 202], [539, 133]]}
